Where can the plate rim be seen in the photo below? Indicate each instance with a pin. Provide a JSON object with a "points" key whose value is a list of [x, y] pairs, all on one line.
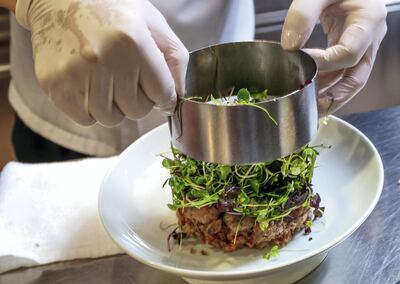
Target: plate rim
{"points": [[217, 275]]}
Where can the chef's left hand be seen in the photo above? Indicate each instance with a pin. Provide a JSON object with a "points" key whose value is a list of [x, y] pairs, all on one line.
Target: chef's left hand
{"points": [[355, 29]]}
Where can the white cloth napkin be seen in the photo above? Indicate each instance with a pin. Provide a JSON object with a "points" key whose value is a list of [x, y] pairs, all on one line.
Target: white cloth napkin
{"points": [[48, 213]]}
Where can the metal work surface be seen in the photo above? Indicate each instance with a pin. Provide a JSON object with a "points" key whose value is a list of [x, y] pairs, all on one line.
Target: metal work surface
{"points": [[370, 255]]}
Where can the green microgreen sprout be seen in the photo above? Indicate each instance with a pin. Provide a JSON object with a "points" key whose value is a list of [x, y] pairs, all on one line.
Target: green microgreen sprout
{"points": [[244, 97], [273, 252]]}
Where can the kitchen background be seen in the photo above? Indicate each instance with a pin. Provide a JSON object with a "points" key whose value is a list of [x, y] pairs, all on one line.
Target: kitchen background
{"points": [[381, 91]]}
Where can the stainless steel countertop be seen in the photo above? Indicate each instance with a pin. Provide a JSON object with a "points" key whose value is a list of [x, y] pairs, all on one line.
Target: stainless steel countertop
{"points": [[370, 255]]}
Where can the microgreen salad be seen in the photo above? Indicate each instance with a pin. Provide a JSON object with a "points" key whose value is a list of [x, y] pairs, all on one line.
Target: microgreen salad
{"points": [[267, 191]]}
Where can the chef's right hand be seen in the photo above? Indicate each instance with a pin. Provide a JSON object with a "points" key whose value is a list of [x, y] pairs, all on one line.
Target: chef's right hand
{"points": [[354, 28], [103, 60]]}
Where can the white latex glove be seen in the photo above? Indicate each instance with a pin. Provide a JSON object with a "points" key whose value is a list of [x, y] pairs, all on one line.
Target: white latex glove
{"points": [[355, 29], [102, 60]]}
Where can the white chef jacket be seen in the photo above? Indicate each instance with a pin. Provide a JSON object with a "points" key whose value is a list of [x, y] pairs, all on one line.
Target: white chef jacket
{"points": [[198, 23]]}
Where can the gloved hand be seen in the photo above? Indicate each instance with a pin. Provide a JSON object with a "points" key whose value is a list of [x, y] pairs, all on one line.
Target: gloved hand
{"points": [[355, 29], [102, 60]]}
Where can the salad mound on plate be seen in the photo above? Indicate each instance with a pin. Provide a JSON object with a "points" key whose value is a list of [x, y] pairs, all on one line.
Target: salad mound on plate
{"points": [[256, 206]]}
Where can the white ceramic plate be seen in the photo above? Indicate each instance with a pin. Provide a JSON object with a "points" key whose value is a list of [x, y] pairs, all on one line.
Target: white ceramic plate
{"points": [[132, 206]]}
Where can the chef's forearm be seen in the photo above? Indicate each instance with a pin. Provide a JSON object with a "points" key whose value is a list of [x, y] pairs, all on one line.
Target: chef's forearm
{"points": [[9, 4]]}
